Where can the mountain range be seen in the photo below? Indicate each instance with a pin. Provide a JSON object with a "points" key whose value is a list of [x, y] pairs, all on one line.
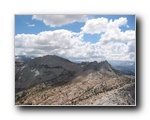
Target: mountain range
{"points": [[53, 80], [125, 67]]}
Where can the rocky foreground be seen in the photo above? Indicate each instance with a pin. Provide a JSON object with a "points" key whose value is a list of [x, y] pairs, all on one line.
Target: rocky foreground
{"points": [[93, 89], [90, 84]]}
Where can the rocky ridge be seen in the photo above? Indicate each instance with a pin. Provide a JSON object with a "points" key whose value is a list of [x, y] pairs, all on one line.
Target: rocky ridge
{"points": [[66, 83]]}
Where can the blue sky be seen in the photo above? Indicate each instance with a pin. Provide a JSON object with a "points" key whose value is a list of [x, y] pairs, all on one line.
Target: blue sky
{"points": [[88, 31], [21, 25], [22, 21]]}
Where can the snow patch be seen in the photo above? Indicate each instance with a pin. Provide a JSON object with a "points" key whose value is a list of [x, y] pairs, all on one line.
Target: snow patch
{"points": [[82, 65], [23, 67], [36, 73], [33, 70]]}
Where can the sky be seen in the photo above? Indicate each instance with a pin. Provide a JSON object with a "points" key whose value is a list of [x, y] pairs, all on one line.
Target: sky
{"points": [[76, 37]]}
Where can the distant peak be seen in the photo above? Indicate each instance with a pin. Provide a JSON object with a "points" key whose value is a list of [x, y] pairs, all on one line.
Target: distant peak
{"points": [[52, 57], [104, 62]]}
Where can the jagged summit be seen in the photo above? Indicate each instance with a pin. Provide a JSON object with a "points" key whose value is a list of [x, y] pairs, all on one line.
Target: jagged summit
{"points": [[104, 67], [105, 62], [55, 70]]}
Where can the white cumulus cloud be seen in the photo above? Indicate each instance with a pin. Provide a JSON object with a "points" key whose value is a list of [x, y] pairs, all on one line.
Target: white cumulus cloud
{"points": [[114, 43], [70, 45], [59, 20], [59, 42], [93, 26], [115, 35], [98, 25]]}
